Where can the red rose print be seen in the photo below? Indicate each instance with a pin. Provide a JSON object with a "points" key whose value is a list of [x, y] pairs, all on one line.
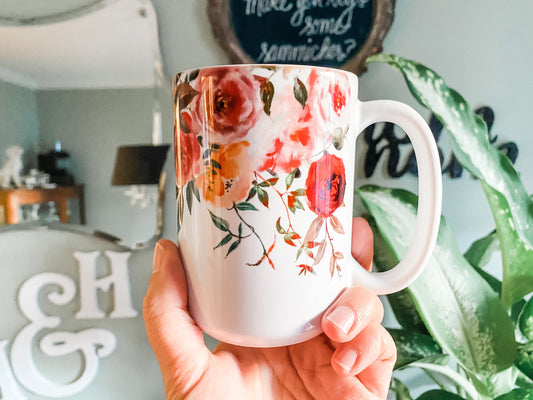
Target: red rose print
{"points": [[228, 104], [187, 157], [325, 185]]}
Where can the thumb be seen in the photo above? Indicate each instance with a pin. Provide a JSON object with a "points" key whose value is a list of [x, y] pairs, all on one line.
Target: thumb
{"points": [[176, 340], [362, 242]]}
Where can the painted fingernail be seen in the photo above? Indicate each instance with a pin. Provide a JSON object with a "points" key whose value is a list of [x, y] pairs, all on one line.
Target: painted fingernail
{"points": [[159, 253], [346, 359], [343, 318]]}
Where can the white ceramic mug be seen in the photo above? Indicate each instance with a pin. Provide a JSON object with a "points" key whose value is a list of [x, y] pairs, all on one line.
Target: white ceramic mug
{"points": [[265, 158]]}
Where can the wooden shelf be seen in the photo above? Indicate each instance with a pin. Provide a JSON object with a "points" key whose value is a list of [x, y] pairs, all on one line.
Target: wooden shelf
{"points": [[12, 199]]}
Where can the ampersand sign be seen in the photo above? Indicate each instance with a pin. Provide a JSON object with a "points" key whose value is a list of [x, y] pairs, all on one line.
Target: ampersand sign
{"points": [[330, 33]]}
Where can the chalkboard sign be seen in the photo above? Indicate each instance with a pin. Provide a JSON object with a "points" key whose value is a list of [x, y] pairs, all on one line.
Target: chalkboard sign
{"points": [[333, 33]]}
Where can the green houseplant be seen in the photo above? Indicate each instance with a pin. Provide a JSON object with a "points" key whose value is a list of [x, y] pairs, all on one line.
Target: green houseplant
{"points": [[469, 331]]}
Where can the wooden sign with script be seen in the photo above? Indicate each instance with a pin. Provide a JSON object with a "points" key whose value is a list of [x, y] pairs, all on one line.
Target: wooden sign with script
{"points": [[332, 33]]}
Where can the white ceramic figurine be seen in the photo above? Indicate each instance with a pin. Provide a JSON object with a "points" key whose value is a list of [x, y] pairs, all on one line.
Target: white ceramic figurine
{"points": [[12, 168]]}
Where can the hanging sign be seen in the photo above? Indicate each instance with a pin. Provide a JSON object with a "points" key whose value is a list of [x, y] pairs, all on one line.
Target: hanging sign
{"points": [[331, 33], [383, 141]]}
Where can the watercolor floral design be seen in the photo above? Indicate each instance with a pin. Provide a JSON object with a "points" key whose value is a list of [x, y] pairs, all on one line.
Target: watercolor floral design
{"points": [[219, 110]]}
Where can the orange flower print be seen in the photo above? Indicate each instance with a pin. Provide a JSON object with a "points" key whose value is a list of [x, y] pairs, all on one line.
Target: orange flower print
{"points": [[227, 174]]}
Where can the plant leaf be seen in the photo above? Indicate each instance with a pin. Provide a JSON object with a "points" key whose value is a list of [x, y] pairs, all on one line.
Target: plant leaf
{"points": [[196, 192], [184, 127], [215, 164], [517, 256], [263, 196], [525, 320], [290, 236], [414, 346], [186, 94], [517, 394], [314, 229], [495, 385], [267, 93], [332, 265], [245, 206], [189, 193], [472, 148], [225, 240], [336, 224], [298, 192], [523, 381], [401, 391], [179, 208], [233, 246], [320, 252], [290, 178], [480, 252], [251, 193], [299, 204], [524, 361], [269, 182], [439, 394], [462, 312], [300, 92], [279, 228], [219, 222], [192, 75]]}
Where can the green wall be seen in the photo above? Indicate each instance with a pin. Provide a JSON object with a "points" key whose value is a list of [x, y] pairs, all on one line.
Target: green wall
{"points": [[91, 124], [19, 123]]}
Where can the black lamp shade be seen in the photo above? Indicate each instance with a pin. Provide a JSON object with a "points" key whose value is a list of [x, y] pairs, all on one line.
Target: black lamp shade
{"points": [[139, 164]]}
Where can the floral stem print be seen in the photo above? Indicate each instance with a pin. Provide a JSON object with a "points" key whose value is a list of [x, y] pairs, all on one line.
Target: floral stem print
{"points": [[325, 186], [243, 138], [291, 204], [266, 253], [335, 255]]}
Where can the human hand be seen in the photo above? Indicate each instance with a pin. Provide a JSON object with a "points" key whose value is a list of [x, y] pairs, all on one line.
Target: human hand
{"points": [[353, 358]]}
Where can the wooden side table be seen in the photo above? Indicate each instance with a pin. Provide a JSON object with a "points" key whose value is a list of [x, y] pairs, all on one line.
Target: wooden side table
{"points": [[12, 199]]}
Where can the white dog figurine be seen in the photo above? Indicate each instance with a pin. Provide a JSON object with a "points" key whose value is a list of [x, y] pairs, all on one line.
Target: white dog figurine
{"points": [[12, 168]]}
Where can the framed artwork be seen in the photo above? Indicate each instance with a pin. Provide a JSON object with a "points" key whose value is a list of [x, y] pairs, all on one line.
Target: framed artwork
{"points": [[330, 33]]}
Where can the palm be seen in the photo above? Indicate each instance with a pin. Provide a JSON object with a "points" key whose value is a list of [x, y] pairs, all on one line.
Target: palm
{"points": [[302, 371]]}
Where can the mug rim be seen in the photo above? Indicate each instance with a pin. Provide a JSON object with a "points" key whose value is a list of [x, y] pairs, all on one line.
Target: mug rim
{"points": [[259, 65]]}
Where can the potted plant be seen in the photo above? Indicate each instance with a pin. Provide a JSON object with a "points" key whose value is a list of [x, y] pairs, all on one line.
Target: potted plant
{"points": [[469, 331]]}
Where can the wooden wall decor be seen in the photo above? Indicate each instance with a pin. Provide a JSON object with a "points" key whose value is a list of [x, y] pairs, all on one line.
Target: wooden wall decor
{"points": [[332, 33]]}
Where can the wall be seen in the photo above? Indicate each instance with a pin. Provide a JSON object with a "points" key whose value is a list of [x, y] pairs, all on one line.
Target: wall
{"points": [[91, 124], [18, 122]]}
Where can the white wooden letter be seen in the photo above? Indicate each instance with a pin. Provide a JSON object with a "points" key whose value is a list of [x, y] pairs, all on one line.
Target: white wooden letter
{"points": [[8, 385], [90, 284], [92, 343]]}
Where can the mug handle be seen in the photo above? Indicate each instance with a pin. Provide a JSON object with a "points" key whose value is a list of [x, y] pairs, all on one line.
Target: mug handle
{"points": [[429, 201]]}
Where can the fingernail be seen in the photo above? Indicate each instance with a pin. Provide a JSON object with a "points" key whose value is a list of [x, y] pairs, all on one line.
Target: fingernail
{"points": [[346, 359], [343, 318], [159, 253]]}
